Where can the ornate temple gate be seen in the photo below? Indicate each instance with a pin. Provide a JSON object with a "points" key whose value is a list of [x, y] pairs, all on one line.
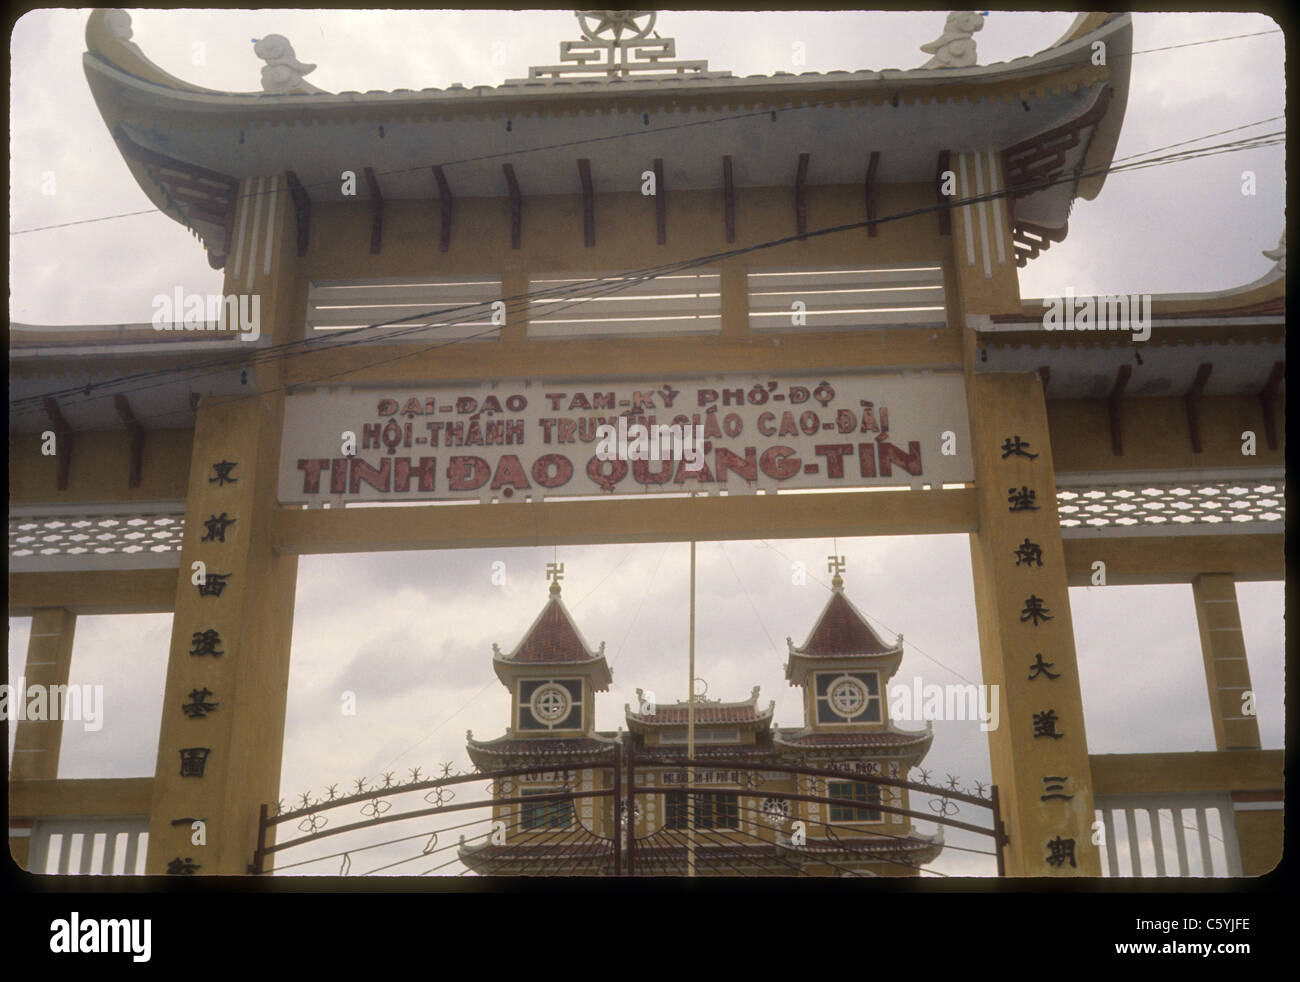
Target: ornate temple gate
{"points": [[761, 842], [1043, 433]]}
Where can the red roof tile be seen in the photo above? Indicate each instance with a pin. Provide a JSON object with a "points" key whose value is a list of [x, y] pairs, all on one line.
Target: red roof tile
{"points": [[544, 746], [553, 638], [842, 631], [885, 738], [744, 713]]}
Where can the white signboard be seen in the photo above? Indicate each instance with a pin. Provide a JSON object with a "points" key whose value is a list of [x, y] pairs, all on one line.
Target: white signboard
{"points": [[531, 440]]}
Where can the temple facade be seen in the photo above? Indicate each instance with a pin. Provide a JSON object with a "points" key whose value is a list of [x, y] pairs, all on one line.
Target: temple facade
{"points": [[440, 296], [728, 811]]}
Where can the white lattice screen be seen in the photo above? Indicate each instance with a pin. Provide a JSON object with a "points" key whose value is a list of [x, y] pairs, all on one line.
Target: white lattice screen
{"points": [[104, 541], [153, 539], [1171, 509]]}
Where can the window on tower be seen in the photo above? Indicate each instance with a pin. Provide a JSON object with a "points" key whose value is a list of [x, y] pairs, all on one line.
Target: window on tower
{"points": [[713, 810], [545, 814], [848, 697], [854, 791], [550, 704]]}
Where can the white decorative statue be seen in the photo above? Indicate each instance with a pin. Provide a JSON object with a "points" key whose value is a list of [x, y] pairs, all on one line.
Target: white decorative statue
{"points": [[283, 71], [955, 48], [1278, 255]]}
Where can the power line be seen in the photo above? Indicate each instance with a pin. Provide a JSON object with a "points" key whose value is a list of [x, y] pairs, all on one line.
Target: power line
{"points": [[645, 131], [618, 282], [911, 644]]}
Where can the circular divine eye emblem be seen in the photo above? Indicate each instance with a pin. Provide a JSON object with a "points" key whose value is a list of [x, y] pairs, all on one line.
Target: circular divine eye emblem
{"points": [[551, 703], [776, 808], [847, 697]]}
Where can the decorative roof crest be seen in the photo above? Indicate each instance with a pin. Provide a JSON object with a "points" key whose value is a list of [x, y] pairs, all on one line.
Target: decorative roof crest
{"points": [[955, 48], [1278, 255], [605, 51], [283, 72]]}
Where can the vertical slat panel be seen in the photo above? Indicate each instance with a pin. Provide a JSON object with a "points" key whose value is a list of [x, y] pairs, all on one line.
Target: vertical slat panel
{"points": [[1157, 842], [132, 848], [87, 853], [1112, 851], [1180, 841], [1231, 847], [1203, 832], [65, 852], [1130, 823], [39, 850], [110, 852]]}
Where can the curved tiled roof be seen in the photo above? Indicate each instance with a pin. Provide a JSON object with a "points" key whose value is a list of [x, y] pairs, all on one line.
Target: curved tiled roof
{"points": [[877, 739], [842, 631], [744, 711], [504, 749], [552, 638]]}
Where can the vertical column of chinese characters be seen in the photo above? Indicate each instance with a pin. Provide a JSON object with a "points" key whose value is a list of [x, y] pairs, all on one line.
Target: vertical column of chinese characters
{"points": [[205, 642], [1045, 723]]}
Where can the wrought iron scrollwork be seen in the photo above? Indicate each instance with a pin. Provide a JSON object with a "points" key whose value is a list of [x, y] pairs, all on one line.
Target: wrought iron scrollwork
{"points": [[440, 796]]}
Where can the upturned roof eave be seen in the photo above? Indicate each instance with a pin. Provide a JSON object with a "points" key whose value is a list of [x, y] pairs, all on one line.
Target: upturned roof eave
{"points": [[153, 87]]}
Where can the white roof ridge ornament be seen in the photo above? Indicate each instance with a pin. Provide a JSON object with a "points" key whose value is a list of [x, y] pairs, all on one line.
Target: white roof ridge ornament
{"points": [[1278, 255], [604, 50], [119, 25], [283, 73], [955, 47]]}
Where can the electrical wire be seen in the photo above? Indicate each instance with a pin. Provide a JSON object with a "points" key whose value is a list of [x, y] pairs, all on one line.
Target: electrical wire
{"points": [[617, 282], [645, 131]]}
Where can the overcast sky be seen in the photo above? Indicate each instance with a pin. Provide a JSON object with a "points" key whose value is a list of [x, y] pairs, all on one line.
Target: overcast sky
{"points": [[411, 633]]}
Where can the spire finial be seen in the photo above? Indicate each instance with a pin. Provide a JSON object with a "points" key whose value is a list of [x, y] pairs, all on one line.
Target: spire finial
{"points": [[836, 565], [555, 573]]}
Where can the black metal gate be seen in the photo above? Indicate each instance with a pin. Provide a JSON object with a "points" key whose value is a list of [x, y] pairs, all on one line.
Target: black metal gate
{"points": [[581, 827]]}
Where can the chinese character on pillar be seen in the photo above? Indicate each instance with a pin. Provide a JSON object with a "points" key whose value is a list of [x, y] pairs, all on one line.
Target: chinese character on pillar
{"points": [[1059, 850], [1040, 667], [183, 867], [198, 706], [223, 469], [213, 584], [1029, 554], [1034, 610], [1014, 445], [1022, 500], [194, 760], [1045, 724], [216, 526], [205, 643], [1054, 788]]}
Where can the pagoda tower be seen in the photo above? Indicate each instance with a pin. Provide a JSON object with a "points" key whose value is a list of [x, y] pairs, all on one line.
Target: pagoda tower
{"points": [[553, 676], [843, 669]]}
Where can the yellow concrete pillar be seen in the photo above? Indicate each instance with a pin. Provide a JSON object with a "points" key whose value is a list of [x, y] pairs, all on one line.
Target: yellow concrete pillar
{"points": [[224, 702], [983, 251], [222, 728], [1227, 675], [734, 282], [1258, 817], [514, 283], [49, 660], [37, 742], [1039, 752]]}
